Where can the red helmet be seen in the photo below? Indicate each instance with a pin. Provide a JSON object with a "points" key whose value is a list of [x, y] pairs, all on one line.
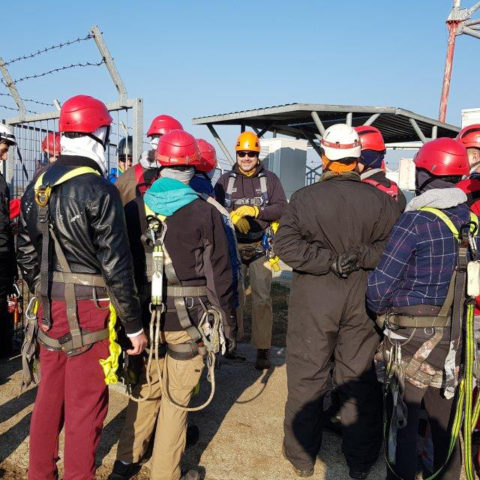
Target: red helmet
{"points": [[177, 148], [51, 144], [163, 124], [83, 114], [370, 138], [208, 156], [469, 136], [443, 157]]}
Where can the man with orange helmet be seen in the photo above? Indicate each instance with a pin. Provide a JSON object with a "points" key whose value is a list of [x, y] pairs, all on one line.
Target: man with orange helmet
{"points": [[332, 234], [255, 198], [73, 253], [136, 180], [371, 161], [418, 287], [173, 222]]}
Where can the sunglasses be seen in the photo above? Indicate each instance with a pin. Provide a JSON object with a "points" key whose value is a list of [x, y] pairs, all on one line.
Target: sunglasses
{"points": [[247, 154]]}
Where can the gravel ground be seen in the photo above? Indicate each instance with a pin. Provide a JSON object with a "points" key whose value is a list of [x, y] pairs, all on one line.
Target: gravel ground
{"points": [[241, 431]]}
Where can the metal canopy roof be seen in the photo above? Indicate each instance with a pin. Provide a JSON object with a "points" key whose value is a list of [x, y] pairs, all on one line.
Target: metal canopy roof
{"points": [[309, 121]]}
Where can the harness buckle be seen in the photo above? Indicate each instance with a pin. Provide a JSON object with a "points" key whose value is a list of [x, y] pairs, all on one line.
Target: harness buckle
{"points": [[157, 307], [42, 196]]}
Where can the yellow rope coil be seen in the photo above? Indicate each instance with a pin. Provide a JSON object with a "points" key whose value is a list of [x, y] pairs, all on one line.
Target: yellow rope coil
{"points": [[110, 364]]}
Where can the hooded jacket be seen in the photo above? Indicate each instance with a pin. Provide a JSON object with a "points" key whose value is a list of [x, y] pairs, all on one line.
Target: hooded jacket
{"points": [[87, 216]]}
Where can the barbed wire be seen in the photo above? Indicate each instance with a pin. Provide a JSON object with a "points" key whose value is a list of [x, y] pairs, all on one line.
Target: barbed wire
{"points": [[55, 70], [16, 109], [38, 102], [47, 49]]}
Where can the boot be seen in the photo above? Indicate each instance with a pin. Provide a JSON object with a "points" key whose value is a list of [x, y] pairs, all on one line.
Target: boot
{"points": [[123, 471], [299, 472], [191, 475], [263, 359]]}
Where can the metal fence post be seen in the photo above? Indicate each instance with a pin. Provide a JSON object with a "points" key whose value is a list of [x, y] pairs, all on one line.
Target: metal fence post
{"points": [[137, 129]]}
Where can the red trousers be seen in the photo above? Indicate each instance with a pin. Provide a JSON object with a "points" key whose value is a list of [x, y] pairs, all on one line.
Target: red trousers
{"points": [[72, 393]]}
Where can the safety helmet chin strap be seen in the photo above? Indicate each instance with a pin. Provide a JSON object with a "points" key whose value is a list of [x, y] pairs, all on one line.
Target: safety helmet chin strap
{"points": [[104, 142]]}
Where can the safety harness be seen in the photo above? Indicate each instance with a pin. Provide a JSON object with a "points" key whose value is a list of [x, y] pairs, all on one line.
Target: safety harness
{"points": [[258, 201], [77, 341], [142, 184], [207, 339], [391, 191], [418, 371]]}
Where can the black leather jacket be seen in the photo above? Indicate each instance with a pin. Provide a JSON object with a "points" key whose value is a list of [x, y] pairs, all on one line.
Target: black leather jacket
{"points": [[88, 219], [7, 257]]}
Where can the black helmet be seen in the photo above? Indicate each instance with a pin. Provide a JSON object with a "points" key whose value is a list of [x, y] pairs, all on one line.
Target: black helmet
{"points": [[125, 147]]}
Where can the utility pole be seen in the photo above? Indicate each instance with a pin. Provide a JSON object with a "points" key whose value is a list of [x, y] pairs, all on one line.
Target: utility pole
{"points": [[459, 21]]}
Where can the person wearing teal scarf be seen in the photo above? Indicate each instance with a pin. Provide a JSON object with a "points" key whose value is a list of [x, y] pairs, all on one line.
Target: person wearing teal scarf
{"points": [[167, 195]]}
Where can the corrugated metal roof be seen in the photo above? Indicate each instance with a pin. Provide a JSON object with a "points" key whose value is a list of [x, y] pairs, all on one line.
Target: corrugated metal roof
{"points": [[295, 119]]}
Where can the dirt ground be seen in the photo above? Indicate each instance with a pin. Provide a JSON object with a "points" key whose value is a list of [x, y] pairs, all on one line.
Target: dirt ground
{"points": [[241, 431]]}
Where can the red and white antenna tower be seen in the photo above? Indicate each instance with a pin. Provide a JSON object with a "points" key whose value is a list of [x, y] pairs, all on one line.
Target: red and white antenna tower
{"points": [[459, 21]]}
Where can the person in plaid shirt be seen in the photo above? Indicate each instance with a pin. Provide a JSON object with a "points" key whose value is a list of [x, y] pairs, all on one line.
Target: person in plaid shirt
{"points": [[412, 279]]}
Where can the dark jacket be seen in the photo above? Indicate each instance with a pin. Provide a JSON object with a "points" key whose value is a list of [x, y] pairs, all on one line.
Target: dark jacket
{"points": [[334, 216], [7, 254], [129, 187], [380, 177], [249, 187], [196, 242], [88, 218]]}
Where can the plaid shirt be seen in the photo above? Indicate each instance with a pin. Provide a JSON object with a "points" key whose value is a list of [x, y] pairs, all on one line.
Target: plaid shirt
{"points": [[418, 262]]}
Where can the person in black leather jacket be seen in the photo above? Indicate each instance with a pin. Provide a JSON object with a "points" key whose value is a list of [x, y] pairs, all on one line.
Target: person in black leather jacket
{"points": [[7, 256], [85, 214]]}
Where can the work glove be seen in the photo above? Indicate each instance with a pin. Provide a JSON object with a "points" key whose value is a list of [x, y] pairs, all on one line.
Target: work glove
{"points": [[247, 211], [345, 263], [242, 224]]}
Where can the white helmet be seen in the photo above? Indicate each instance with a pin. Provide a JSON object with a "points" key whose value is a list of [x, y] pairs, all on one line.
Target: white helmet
{"points": [[341, 141], [6, 135]]}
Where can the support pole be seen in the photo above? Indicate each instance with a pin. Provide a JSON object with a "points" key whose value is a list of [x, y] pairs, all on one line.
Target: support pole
{"points": [[372, 119], [318, 123], [349, 119], [418, 131], [13, 89], [452, 33], [310, 139], [108, 59], [264, 130], [434, 132], [221, 144]]}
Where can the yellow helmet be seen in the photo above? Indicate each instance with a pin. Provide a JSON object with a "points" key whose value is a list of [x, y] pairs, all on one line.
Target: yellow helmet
{"points": [[247, 142]]}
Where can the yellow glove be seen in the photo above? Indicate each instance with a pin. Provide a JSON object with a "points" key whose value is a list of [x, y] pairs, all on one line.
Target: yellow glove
{"points": [[247, 211], [240, 223]]}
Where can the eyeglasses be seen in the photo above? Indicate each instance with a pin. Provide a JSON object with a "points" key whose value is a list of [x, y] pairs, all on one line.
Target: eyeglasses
{"points": [[247, 154]]}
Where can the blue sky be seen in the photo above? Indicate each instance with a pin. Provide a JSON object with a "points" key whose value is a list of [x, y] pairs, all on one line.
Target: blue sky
{"points": [[195, 58]]}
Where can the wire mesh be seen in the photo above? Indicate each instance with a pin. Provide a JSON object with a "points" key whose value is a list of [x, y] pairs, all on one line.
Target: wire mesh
{"points": [[28, 157]]}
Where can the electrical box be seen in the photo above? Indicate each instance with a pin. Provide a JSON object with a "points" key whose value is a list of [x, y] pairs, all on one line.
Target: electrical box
{"points": [[406, 174], [287, 158], [470, 116]]}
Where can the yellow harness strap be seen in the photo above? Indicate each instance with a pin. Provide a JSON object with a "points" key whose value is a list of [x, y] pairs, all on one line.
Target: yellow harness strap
{"points": [[442, 216], [42, 196]]}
